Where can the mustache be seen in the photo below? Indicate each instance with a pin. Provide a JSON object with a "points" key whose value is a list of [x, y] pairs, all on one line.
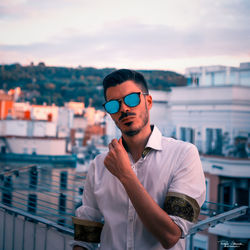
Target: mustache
{"points": [[123, 115]]}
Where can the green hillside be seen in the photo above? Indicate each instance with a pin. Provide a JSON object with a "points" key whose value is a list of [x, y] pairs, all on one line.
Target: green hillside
{"points": [[57, 85]]}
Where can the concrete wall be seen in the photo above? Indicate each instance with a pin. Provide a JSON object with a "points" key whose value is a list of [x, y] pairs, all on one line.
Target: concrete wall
{"points": [[41, 146], [27, 128]]}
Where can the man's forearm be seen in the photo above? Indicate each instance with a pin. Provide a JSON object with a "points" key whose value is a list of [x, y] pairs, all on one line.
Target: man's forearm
{"points": [[155, 219]]}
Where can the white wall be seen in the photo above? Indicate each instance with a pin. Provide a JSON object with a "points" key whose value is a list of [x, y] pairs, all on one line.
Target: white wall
{"points": [[65, 118], [221, 75], [226, 108], [41, 146], [13, 127], [39, 112], [27, 128]]}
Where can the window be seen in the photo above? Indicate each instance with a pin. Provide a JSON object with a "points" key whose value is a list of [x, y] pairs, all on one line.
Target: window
{"points": [[234, 191], [25, 150], [187, 134], [226, 194], [214, 141], [3, 149], [34, 151]]}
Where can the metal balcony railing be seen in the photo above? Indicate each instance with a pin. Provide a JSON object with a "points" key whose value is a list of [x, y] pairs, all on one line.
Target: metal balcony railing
{"points": [[48, 193], [21, 230], [36, 209]]}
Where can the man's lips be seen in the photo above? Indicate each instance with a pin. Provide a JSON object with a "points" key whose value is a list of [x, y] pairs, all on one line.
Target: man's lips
{"points": [[127, 119], [126, 115]]}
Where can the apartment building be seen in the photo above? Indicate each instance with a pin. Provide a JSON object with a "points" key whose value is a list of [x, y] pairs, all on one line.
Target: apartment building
{"points": [[215, 116]]}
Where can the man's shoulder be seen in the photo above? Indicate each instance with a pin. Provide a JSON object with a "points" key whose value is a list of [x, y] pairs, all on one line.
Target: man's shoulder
{"points": [[169, 142], [99, 159], [101, 156], [177, 148]]}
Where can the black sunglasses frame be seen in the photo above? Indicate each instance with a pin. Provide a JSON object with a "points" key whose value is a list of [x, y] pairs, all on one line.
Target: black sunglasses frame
{"points": [[122, 99]]}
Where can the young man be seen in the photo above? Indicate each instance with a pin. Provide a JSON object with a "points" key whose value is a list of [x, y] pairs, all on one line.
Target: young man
{"points": [[147, 188]]}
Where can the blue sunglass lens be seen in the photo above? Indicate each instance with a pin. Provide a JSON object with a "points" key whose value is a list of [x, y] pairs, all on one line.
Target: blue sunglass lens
{"points": [[112, 106], [132, 100]]}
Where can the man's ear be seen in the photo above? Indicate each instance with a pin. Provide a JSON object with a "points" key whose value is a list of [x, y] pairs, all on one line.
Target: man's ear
{"points": [[149, 101]]}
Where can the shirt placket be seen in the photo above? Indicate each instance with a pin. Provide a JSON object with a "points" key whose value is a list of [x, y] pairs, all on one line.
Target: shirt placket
{"points": [[131, 219]]}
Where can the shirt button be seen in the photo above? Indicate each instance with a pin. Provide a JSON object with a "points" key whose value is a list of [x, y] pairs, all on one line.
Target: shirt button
{"points": [[130, 219]]}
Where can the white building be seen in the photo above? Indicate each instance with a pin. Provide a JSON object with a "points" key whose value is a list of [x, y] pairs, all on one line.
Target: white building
{"points": [[211, 117], [215, 116], [77, 107], [44, 112], [160, 114], [36, 145], [219, 75], [31, 137]]}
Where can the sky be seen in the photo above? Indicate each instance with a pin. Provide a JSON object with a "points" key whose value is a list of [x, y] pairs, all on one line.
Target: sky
{"points": [[137, 34]]}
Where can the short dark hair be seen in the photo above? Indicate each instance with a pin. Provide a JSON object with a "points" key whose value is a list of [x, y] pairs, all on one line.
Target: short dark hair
{"points": [[123, 75]]}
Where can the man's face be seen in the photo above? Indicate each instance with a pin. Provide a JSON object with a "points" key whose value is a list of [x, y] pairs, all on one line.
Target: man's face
{"points": [[130, 120]]}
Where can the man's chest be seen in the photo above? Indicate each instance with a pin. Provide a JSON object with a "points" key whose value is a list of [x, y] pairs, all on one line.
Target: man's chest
{"points": [[155, 176]]}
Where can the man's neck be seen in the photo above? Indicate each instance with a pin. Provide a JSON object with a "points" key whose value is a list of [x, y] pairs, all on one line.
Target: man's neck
{"points": [[136, 144]]}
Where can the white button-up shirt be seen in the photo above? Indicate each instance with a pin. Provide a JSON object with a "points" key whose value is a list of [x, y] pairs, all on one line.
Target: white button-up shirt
{"points": [[170, 166]]}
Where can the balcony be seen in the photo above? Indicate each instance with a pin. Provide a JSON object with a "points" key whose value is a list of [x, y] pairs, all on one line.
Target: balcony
{"points": [[22, 230], [30, 220], [226, 166], [232, 229]]}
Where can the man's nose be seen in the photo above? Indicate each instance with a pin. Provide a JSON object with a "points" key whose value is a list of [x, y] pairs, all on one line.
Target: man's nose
{"points": [[124, 107]]}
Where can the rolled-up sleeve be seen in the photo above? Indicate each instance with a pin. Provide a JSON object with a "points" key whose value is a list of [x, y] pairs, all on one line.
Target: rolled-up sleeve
{"points": [[89, 210], [187, 190]]}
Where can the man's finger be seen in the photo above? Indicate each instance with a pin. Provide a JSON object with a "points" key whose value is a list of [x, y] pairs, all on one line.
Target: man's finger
{"points": [[120, 141], [111, 147], [114, 142]]}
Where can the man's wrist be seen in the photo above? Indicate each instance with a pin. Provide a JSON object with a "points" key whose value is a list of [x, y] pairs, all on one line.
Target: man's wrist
{"points": [[128, 178]]}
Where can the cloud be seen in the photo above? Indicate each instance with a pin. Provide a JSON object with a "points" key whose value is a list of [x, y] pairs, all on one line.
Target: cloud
{"points": [[99, 34], [138, 41]]}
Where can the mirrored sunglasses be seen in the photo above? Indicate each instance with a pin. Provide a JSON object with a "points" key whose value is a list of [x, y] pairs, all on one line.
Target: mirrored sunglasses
{"points": [[131, 100]]}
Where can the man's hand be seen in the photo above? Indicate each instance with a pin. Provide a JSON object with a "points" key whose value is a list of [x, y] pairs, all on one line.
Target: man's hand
{"points": [[117, 160]]}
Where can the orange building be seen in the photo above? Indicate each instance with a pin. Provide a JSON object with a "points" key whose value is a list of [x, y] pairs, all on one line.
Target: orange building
{"points": [[6, 105]]}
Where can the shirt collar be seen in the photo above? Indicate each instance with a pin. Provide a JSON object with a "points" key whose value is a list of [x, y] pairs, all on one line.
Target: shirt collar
{"points": [[154, 140]]}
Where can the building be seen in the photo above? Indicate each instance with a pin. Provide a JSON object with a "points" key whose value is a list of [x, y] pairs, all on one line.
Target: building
{"points": [[219, 75], [31, 137], [44, 112], [6, 105], [214, 114], [34, 132], [77, 107]]}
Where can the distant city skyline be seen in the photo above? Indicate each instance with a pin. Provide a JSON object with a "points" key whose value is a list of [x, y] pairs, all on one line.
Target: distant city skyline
{"points": [[161, 34]]}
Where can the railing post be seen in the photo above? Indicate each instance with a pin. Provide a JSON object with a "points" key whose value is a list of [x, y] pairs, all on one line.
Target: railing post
{"points": [[62, 208], [63, 179], [33, 174], [7, 191], [191, 238], [32, 203], [62, 203]]}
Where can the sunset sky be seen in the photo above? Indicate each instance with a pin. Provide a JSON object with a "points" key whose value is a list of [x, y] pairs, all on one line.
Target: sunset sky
{"points": [[138, 34]]}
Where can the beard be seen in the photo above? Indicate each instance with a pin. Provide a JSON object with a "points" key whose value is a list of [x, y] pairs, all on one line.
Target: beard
{"points": [[130, 131]]}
